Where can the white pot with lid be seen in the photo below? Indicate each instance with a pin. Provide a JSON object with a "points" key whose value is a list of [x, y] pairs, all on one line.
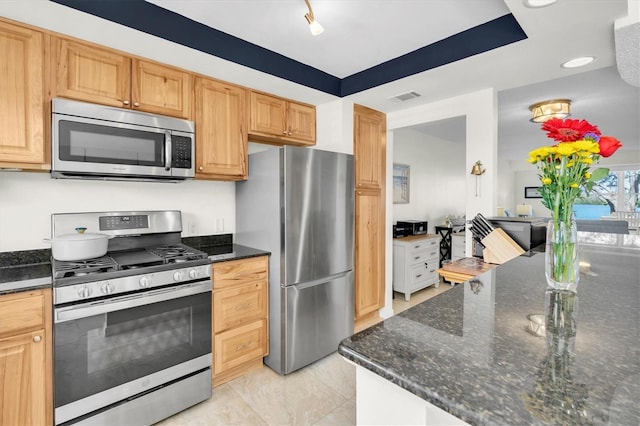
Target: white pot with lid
{"points": [[79, 246]]}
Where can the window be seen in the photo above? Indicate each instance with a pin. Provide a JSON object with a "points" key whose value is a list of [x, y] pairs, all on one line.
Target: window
{"points": [[619, 191]]}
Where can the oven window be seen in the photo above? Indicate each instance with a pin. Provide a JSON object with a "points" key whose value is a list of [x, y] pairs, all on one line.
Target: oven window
{"points": [[99, 352], [92, 143]]}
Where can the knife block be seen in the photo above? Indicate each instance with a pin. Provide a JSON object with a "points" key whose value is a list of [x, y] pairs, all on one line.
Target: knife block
{"points": [[499, 247]]}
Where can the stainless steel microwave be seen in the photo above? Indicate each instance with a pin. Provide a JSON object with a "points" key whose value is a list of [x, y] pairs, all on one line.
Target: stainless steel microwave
{"points": [[101, 142]]}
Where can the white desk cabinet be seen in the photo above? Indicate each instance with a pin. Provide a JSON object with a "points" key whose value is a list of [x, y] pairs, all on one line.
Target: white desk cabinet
{"points": [[415, 262]]}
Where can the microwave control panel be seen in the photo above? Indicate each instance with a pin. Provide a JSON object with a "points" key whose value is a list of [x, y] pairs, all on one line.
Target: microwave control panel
{"points": [[180, 152]]}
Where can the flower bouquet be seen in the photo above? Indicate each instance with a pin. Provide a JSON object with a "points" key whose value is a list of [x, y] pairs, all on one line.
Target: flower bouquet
{"points": [[564, 171]]}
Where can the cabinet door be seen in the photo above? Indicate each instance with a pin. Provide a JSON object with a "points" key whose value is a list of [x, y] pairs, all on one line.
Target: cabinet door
{"points": [[90, 73], [23, 375], [240, 345], [369, 251], [267, 115], [221, 130], [161, 89], [370, 147], [238, 305], [301, 122], [22, 109]]}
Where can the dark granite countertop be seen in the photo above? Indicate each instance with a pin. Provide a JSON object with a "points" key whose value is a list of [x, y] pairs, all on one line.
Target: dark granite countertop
{"points": [[471, 352], [31, 269], [25, 270]]}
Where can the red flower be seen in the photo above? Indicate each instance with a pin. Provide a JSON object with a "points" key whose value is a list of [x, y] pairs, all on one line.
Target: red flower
{"points": [[568, 130], [608, 145]]}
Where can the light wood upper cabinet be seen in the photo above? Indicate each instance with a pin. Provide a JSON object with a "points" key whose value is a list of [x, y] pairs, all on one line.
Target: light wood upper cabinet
{"points": [[96, 74], [25, 359], [281, 121], [22, 92], [370, 134], [221, 130]]}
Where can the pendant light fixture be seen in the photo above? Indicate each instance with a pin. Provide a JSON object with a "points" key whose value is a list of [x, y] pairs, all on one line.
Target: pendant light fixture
{"points": [[314, 26], [555, 108]]}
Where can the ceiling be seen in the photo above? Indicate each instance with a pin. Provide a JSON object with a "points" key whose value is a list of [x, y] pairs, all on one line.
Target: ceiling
{"points": [[373, 50]]}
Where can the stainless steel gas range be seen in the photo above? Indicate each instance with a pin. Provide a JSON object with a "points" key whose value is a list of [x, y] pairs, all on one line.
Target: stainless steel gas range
{"points": [[132, 329]]}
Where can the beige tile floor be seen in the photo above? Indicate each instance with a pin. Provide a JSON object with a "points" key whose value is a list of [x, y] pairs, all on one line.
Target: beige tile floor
{"points": [[320, 394]]}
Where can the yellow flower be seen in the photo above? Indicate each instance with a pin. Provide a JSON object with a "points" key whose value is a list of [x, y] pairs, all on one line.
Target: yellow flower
{"points": [[546, 180], [587, 175], [586, 160], [588, 146], [573, 185], [565, 148]]}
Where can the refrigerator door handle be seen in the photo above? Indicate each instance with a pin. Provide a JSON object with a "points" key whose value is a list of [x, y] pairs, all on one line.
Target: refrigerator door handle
{"points": [[322, 280]]}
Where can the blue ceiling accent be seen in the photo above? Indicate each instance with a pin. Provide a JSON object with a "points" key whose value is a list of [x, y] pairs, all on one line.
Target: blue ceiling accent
{"points": [[154, 20]]}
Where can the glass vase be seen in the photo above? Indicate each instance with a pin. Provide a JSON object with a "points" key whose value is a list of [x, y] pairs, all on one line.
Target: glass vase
{"points": [[562, 263]]}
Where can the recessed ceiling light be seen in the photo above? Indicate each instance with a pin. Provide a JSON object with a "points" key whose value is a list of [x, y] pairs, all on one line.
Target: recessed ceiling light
{"points": [[538, 3], [578, 62]]}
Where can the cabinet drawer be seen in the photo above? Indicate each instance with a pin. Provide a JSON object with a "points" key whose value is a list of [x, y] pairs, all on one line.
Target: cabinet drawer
{"points": [[240, 345], [21, 312], [421, 256], [239, 305], [431, 243], [226, 274], [424, 272]]}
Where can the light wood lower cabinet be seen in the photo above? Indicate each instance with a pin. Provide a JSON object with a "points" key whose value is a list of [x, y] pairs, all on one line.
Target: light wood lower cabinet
{"points": [[240, 317], [26, 376]]}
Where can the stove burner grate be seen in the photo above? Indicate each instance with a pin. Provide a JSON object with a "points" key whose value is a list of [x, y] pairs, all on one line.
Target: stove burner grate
{"points": [[65, 268], [177, 253]]}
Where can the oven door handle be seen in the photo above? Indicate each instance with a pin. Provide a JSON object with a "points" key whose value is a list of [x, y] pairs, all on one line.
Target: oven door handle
{"points": [[69, 313]]}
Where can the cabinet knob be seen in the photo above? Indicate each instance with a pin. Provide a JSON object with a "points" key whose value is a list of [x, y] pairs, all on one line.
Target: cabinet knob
{"points": [[136, 104], [201, 168], [284, 132], [125, 102], [289, 133], [37, 338]]}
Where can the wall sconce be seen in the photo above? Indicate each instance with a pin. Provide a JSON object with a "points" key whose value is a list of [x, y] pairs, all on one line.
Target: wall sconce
{"points": [[314, 26], [555, 108], [477, 170]]}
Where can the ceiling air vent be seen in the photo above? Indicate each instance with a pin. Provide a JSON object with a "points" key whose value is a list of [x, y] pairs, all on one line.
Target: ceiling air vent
{"points": [[406, 96]]}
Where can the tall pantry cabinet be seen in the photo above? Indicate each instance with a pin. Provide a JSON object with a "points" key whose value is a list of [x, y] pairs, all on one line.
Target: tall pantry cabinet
{"points": [[369, 147]]}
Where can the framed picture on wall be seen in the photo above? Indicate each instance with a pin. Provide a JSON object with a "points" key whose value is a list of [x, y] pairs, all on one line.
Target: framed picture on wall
{"points": [[400, 183], [532, 192]]}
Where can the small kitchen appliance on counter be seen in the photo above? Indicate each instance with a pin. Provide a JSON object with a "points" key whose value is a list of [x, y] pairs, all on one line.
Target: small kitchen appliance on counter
{"points": [[132, 328], [413, 227]]}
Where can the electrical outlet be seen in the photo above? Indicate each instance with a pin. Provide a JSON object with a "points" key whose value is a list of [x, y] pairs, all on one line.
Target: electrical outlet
{"points": [[220, 225], [193, 229]]}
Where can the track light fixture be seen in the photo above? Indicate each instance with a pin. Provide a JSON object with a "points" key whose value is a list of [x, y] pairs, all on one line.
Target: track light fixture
{"points": [[314, 26]]}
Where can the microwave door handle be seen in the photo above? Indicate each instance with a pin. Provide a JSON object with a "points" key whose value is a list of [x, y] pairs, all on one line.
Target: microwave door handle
{"points": [[167, 151]]}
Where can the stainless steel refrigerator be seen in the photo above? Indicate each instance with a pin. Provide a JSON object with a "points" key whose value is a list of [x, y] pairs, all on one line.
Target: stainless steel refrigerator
{"points": [[298, 203]]}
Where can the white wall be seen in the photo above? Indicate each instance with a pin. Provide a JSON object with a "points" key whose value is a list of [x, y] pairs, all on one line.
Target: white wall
{"points": [[27, 201], [437, 177]]}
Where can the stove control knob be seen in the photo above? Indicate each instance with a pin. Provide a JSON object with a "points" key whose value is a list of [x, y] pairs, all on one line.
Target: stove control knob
{"points": [[178, 276], [193, 274], [84, 292], [145, 281], [106, 288]]}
